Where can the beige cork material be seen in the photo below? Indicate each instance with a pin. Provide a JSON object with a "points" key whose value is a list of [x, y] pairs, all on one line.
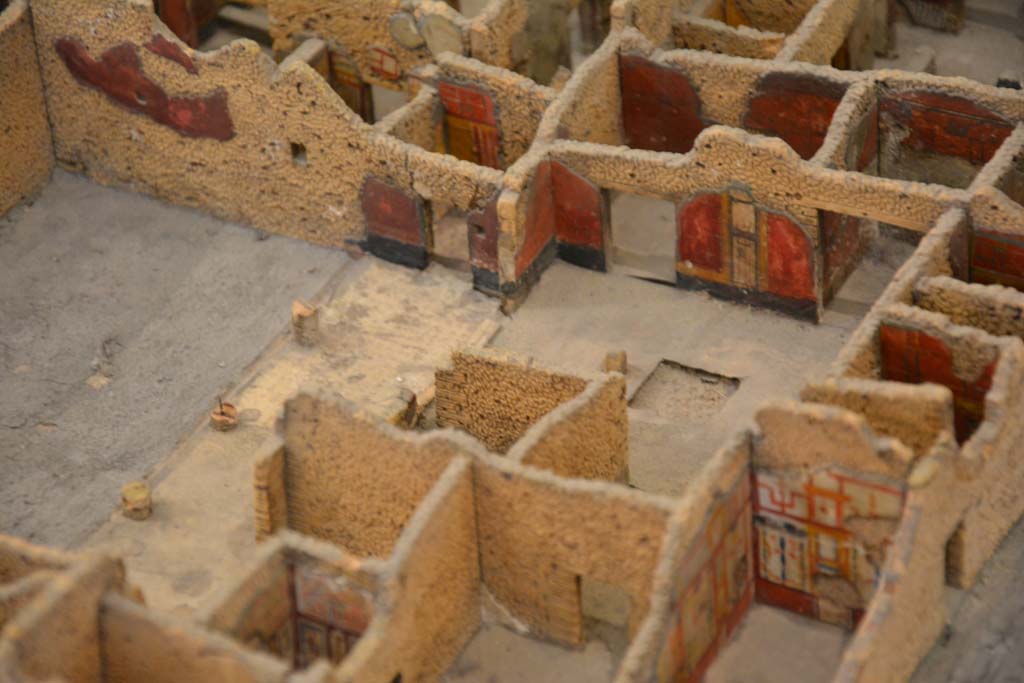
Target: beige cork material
{"points": [[136, 501]]}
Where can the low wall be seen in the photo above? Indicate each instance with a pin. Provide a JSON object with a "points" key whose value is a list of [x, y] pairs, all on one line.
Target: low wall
{"points": [[541, 536], [587, 437], [496, 396], [25, 146], [432, 589], [141, 645], [351, 482]]}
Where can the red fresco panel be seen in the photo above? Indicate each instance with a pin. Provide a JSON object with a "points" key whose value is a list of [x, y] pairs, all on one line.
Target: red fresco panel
{"points": [[914, 357], [949, 125], [391, 213], [997, 259], [790, 270], [700, 232], [796, 108], [789, 599], [469, 103], [578, 208], [118, 74], [540, 219], [660, 107]]}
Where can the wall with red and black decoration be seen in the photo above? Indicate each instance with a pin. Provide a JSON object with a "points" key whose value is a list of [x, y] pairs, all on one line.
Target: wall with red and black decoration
{"points": [[843, 240], [568, 210], [797, 108], [738, 249], [939, 137], [913, 356], [396, 224], [661, 109]]}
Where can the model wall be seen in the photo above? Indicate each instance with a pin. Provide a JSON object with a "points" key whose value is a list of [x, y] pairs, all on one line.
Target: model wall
{"points": [[541, 537], [71, 607], [496, 397], [588, 437], [519, 103], [698, 33], [711, 583], [25, 146], [337, 493], [434, 592], [139, 645], [186, 126], [896, 632]]}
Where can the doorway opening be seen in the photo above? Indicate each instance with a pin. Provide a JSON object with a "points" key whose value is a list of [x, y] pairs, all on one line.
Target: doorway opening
{"points": [[643, 237]]}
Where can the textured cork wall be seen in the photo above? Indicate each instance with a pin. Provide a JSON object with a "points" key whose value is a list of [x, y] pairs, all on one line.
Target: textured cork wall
{"points": [[25, 145], [260, 605], [359, 27], [917, 415], [19, 559], [541, 537], [185, 126], [587, 437], [336, 493], [419, 122], [496, 397], [139, 644], [434, 590], [70, 607], [698, 33], [996, 310]]}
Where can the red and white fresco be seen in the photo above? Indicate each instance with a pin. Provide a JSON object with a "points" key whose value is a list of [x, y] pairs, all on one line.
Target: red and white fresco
{"points": [[803, 534]]}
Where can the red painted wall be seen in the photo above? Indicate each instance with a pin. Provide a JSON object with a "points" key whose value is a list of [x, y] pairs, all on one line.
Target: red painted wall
{"points": [[540, 219], [789, 261], [946, 124], [472, 104], [915, 357], [393, 214], [660, 107], [700, 232], [578, 208], [997, 259], [795, 107], [840, 239]]}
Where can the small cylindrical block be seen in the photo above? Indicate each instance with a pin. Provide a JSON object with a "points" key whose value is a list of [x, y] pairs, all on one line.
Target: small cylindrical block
{"points": [[615, 361], [224, 417], [136, 502], [305, 323]]}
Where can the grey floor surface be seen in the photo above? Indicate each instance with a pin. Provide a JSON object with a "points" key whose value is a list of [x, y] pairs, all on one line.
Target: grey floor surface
{"points": [[121, 319]]}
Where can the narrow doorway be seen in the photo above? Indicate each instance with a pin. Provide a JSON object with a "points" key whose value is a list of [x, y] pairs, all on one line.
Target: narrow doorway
{"points": [[643, 237]]}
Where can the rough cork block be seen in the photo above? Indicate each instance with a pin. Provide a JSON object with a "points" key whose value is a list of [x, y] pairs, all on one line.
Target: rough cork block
{"points": [[136, 501], [615, 361], [305, 323]]}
